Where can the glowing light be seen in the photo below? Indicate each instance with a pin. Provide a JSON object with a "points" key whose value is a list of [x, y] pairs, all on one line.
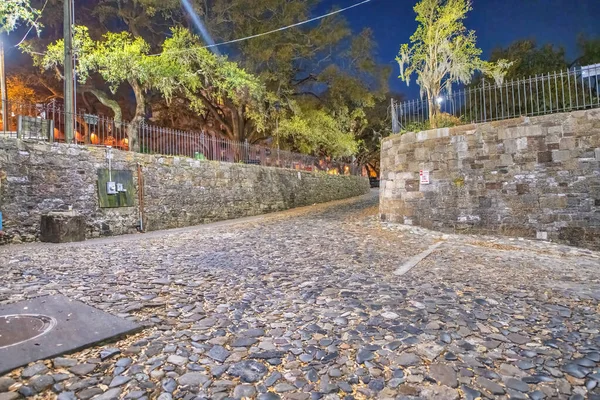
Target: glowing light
{"points": [[439, 100], [58, 135], [200, 25], [110, 141], [94, 139]]}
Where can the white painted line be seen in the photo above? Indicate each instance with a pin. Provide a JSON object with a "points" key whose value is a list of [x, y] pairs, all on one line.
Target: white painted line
{"points": [[413, 261]]}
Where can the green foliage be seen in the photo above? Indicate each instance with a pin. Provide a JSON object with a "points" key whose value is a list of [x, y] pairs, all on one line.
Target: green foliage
{"points": [[589, 49], [183, 68], [320, 71], [121, 58], [207, 80], [14, 12], [320, 66], [445, 120], [416, 126], [529, 59], [83, 46], [315, 131], [442, 52]]}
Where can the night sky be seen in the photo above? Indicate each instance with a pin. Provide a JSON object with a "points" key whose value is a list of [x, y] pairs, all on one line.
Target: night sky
{"points": [[496, 22]]}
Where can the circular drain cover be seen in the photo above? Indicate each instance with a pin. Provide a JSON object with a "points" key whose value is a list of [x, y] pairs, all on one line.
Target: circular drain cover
{"points": [[16, 329]]}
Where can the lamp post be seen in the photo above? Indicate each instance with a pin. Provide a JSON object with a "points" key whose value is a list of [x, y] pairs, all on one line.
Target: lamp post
{"points": [[68, 85], [4, 99], [277, 107]]}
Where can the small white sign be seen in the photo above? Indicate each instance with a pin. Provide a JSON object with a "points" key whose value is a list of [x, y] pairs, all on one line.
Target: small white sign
{"points": [[424, 177]]}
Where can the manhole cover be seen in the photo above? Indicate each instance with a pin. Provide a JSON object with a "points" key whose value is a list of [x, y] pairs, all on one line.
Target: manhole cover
{"points": [[48, 326], [16, 329]]}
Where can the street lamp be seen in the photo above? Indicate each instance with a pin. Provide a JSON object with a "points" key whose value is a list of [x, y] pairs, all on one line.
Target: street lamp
{"points": [[277, 107], [4, 96], [69, 89]]}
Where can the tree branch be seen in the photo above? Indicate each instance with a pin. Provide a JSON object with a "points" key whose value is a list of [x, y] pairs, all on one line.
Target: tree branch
{"points": [[107, 101]]}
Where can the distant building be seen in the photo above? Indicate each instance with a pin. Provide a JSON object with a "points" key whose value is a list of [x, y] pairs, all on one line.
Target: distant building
{"points": [[590, 71]]}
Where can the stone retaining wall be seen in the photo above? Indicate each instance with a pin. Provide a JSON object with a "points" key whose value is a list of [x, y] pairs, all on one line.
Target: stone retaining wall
{"points": [[532, 177], [36, 178]]}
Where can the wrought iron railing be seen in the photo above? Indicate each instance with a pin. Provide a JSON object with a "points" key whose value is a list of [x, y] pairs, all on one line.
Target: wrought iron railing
{"points": [[46, 122], [575, 89]]}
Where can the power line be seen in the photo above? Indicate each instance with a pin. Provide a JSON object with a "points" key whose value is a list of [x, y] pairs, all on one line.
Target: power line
{"points": [[273, 31], [33, 25]]}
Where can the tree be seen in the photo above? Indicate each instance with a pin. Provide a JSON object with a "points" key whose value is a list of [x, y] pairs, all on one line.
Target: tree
{"points": [[314, 131], [529, 59], [379, 126], [183, 68], [442, 52], [150, 19], [589, 49], [14, 12], [119, 58], [320, 66], [21, 90], [232, 96]]}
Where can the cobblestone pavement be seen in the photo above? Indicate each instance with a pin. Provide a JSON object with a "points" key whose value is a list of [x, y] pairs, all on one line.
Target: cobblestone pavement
{"points": [[305, 304]]}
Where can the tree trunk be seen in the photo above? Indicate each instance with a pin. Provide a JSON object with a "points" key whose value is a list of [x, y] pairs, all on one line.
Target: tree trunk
{"points": [[432, 110], [215, 113], [434, 107], [140, 106], [107, 101], [3, 94]]}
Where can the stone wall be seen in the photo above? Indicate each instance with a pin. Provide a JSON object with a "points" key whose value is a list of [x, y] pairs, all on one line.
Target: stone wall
{"points": [[531, 177], [36, 178]]}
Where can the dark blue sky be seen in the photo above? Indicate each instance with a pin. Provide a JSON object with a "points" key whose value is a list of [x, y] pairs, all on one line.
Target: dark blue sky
{"points": [[497, 23]]}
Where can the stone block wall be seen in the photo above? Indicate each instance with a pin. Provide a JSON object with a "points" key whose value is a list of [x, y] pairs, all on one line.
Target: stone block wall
{"points": [[533, 177], [36, 178]]}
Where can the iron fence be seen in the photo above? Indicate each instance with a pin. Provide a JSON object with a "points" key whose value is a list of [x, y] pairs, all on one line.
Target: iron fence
{"points": [[563, 91], [46, 122]]}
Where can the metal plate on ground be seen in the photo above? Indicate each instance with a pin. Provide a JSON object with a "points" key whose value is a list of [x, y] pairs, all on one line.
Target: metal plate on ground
{"points": [[19, 328], [47, 327]]}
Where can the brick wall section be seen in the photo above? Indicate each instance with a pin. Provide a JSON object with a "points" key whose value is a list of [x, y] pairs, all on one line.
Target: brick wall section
{"points": [[531, 177], [39, 177]]}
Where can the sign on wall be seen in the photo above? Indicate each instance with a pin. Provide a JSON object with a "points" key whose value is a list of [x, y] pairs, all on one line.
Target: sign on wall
{"points": [[35, 128], [424, 177]]}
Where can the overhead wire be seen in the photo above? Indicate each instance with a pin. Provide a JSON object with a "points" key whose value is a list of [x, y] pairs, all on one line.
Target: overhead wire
{"points": [[269, 32], [34, 25]]}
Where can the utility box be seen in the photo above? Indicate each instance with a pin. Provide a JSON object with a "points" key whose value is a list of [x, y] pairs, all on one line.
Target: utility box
{"points": [[115, 188], [62, 227], [111, 188]]}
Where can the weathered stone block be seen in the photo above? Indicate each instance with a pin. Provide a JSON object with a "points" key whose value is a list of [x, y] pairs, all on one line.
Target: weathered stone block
{"points": [[534, 130], [409, 137], [522, 188], [567, 143], [561, 155], [555, 131], [412, 185], [62, 227]]}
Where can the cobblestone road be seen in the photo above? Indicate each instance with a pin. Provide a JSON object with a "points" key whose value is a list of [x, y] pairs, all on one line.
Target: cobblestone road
{"points": [[305, 304]]}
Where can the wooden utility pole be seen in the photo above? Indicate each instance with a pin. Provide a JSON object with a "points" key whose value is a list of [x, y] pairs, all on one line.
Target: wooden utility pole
{"points": [[4, 97], [69, 87]]}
